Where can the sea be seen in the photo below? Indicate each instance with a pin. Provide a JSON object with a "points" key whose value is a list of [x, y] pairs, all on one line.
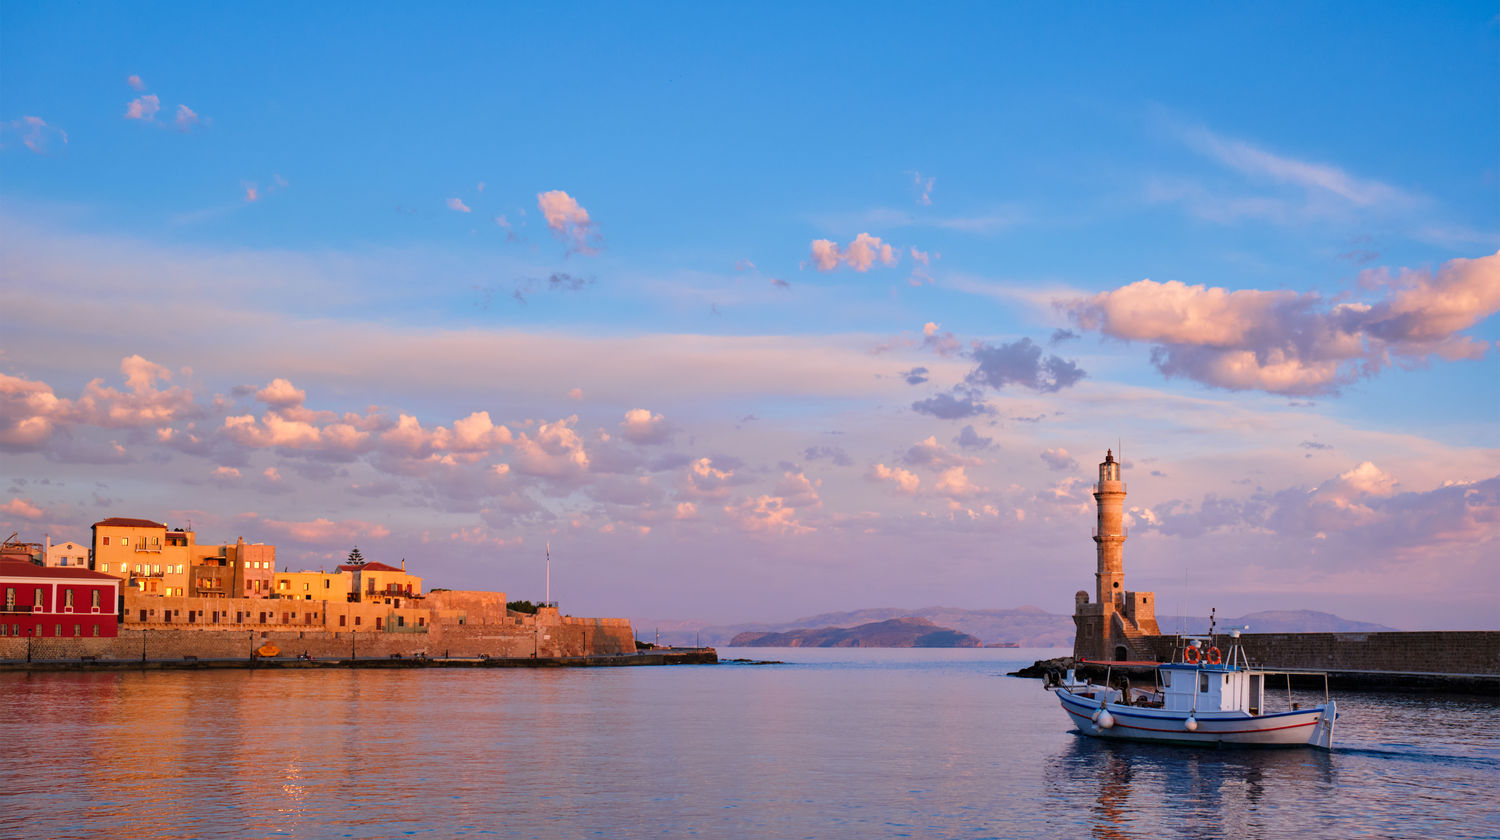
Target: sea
{"points": [[820, 743]]}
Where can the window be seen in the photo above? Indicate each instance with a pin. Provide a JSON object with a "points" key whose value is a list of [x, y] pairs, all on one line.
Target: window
{"points": [[106, 540], [57, 630], [124, 541], [36, 598], [343, 619], [305, 587], [78, 629], [4, 629], [10, 597], [357, 620], [325, 584], [68, 598], [379, 622], [1202, 682], [96, 629], [104, 568]]}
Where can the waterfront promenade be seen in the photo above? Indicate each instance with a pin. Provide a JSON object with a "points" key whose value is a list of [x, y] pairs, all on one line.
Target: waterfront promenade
{"points": [[686, 656]]}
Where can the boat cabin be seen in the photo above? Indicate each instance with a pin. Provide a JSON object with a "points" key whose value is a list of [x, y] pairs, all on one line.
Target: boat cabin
{"points": [[1212, 688]]}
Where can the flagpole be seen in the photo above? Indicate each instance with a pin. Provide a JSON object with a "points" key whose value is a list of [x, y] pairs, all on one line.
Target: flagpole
{"points": [[548, 596]]}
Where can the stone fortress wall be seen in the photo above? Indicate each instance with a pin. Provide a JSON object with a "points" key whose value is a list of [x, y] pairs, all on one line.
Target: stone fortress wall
{"points": [[1445, 652], [454, 624]]}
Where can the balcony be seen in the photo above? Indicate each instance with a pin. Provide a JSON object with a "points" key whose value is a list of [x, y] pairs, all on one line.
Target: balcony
{"points": [[1124, 533], [1097, 490], [150, 549], [15, 608]]}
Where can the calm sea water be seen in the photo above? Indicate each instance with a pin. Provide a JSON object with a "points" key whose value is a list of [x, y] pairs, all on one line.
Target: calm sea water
{"points": [[834, 744]]}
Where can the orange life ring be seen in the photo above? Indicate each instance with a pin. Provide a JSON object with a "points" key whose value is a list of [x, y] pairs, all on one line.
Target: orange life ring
{"points": [[1190, 655], [1214, 657]]}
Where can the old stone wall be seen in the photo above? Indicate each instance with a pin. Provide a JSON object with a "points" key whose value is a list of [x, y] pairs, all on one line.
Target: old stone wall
{"points": [[566, 637], [1434, 652]]}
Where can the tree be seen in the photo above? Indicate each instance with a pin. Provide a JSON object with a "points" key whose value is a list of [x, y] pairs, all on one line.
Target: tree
{"points": [[355, 558]]}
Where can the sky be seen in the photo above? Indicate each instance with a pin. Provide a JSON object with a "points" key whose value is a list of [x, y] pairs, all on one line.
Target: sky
{"points": [[751, 312]]}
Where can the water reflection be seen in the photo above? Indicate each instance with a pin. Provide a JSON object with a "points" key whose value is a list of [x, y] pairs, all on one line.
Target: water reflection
{"points": [[826, 750], [1136, 789]]}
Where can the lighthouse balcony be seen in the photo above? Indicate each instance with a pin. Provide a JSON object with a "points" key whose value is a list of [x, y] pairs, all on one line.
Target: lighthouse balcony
{"points": [[1114, 487], [1123, 533]]}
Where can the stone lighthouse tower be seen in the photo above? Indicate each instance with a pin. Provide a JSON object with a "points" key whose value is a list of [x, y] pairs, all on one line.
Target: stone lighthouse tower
{"points": [[1113, 625]]}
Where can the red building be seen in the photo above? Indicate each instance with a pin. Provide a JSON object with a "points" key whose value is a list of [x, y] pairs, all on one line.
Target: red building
{"points": [[59, 601]]}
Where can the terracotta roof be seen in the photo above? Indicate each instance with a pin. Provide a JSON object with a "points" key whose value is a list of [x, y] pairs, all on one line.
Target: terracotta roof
{"points": [[127, 522], [20, 568], [368, 567]]}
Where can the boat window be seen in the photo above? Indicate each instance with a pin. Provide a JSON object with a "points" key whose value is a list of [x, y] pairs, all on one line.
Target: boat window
{"points": [[1203, 682], [1166, 679]]}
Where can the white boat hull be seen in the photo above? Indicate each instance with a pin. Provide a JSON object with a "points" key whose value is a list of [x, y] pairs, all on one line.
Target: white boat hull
{"points": [[1310, 727]]}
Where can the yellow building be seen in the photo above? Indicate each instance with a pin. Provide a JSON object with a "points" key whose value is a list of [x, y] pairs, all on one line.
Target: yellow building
{"points": [[313, 586], [66, 554], [377, 582], [170, 563]]}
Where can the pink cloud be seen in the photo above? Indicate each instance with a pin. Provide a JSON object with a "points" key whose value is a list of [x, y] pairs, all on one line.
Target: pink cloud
{"points": [[1290, 343], [942, 343], [22, 508], [186, 118], [251, 193], [906, 481], [281, 394], [861, 254], [326, 531], [35, 133], [955, 484], [768, 515], [29, 412], [1059, 459], [143, 108], [458, 205], [641, 426], [135, 82], [569, 221], [924, 188], [555, 451]]}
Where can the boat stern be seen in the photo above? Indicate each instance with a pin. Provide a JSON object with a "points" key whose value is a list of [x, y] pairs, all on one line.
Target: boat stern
{"points": [[1322, 736]]}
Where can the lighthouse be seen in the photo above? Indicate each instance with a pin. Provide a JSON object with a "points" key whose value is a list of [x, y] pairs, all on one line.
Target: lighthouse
{"points": [[1113, 625]]}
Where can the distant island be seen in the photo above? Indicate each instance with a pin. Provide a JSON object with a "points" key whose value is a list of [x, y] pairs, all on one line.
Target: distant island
{"points": [[907, 632], [1026, 626]]}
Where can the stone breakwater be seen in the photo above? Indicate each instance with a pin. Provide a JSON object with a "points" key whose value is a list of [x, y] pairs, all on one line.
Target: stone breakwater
{"points": [[1449, 660]]}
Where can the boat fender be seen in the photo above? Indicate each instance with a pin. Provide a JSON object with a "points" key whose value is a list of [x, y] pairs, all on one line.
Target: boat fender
{"points": [[1097, 712], [1105, 719], [1191, 724]]}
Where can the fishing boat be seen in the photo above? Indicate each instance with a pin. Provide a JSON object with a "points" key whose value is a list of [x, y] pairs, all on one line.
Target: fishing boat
{"points": [[1203, 698]]}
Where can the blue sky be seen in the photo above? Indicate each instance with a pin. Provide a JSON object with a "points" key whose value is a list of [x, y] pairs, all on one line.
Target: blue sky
{"points": [[353, 200]]}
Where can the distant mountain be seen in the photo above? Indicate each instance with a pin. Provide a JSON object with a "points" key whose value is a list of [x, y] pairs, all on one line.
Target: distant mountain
{"points": [[905, 632], [1276, 621], [1026, 626]]}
